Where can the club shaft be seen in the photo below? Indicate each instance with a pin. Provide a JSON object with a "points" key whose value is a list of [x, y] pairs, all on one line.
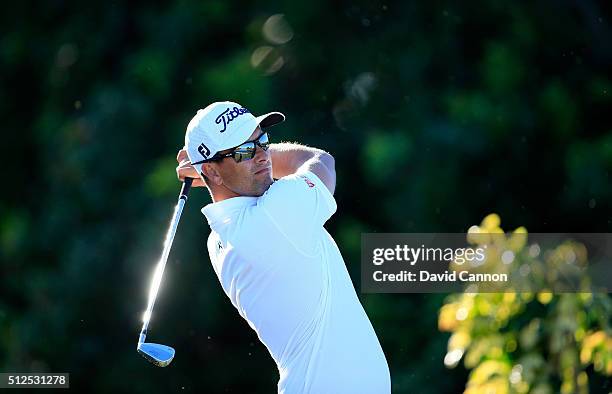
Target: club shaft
{"points": [[161, 265]]}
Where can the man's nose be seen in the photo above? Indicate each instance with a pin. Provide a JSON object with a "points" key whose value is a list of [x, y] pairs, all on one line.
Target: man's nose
{"points": [[261, 155]]}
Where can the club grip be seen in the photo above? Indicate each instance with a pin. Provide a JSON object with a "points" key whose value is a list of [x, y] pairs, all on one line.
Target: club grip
{"points": [[185, 188]]}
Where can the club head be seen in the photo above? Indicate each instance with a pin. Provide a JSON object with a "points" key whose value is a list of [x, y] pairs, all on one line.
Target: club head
{"points": [[160, 355]]}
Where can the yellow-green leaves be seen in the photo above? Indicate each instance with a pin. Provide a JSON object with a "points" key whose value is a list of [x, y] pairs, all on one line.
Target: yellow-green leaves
{"points": [[528, 342]]}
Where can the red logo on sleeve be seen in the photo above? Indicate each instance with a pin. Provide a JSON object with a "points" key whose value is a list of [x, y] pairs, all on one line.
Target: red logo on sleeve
{"points": [[308, 182]]}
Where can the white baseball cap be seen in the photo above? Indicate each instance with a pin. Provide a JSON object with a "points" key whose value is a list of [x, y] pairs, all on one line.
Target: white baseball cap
{"points": [[220, 126]]}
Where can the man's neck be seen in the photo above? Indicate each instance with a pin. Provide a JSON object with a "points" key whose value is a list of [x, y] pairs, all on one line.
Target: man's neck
{"points": [[220, 193]]}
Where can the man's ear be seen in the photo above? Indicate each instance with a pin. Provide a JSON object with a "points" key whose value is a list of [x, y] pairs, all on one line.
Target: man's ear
{"points": [[211, 174]]}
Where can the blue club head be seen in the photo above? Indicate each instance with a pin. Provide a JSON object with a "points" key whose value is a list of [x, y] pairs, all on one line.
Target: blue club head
{"points": [[160, 355]]}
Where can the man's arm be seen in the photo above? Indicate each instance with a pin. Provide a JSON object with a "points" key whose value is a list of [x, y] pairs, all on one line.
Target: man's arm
{"points": [[288, 158]]}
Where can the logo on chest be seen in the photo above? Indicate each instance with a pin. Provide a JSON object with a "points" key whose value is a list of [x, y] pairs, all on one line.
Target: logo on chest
{"points": [[308, 181]]}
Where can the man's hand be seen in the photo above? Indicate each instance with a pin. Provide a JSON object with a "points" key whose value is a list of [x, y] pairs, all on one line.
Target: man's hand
{"points": [[186, 170]]}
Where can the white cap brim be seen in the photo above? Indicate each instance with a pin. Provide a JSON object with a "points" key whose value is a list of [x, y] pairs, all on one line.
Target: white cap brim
{"points": [[270, 119], [267, 120]]}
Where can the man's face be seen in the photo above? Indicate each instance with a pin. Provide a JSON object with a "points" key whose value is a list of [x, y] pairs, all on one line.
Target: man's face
{"points": [[249, 177]]}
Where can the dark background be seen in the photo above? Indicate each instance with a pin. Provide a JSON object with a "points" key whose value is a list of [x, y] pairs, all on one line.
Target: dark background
{"points": [[437, 114]]}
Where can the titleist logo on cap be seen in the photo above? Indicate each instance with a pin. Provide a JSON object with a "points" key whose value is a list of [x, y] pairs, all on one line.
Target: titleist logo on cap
{"points": [[228, 115]]}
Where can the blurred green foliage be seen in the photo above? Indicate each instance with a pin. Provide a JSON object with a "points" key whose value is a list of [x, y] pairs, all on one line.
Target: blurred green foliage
{"points": [[436, 112], [528, 342]]}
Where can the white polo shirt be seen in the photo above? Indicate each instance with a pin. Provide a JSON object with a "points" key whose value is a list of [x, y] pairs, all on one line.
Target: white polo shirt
{"points": [[284, 274]]}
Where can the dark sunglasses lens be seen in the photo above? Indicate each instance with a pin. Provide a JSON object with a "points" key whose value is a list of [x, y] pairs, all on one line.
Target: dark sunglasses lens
{"points": [[264, 141], [244, 152]]}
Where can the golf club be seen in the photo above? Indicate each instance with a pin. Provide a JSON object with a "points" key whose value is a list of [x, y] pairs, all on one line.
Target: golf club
{"points": [[161, 355]]}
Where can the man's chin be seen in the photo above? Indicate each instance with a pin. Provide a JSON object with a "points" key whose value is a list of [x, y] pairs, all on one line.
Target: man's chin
{"points": [[262, 187]]}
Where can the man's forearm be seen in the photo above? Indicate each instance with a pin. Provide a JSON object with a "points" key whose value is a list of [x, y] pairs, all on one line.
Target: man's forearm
{"points": [[288, 157]]}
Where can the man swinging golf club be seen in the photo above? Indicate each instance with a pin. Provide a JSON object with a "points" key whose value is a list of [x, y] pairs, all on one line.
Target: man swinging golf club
{"points": [[275, 261]]}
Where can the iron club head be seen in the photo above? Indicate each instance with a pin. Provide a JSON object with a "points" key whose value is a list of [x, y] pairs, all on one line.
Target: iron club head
{"points": [[160, 355]]}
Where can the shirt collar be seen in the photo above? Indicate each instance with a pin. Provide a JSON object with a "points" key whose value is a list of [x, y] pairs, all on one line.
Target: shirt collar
{"points": [[222, 211]]}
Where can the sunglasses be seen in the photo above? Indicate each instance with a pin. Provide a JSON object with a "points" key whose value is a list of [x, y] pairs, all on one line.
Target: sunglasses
{"points": [[242, 152]]}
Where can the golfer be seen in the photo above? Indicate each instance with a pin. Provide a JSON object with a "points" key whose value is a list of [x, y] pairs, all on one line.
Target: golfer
{"points": [[274, 259]]}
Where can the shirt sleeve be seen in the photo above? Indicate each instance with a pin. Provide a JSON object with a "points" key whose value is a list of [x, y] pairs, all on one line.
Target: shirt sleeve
{"points": [[298, 204]]}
